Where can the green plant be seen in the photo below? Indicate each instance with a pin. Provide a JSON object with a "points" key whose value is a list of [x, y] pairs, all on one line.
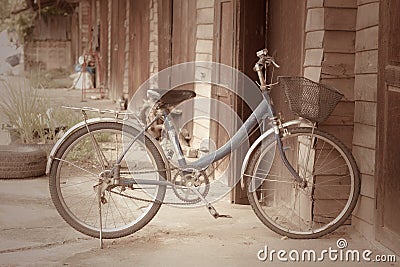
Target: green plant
{"points": [[30, 114]]}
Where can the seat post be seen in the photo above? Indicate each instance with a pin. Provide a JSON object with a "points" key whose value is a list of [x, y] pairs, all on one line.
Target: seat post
{"points": [[174, 138]]}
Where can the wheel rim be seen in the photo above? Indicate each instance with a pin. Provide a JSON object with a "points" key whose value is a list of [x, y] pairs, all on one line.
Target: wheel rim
{"points": [[75, 183], [298, 216]]}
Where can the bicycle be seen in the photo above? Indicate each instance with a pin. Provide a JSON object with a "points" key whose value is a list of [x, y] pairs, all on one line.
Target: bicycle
{"points": [[108, 176]]}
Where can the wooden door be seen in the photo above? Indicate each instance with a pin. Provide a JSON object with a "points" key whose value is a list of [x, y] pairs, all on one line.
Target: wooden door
{"points": [[139, 44], [240, 32], [387, 223], [118, 33], [224, 42], [104, 15], [183, 48]]}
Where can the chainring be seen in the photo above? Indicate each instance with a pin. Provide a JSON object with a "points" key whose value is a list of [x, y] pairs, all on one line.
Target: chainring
{"points": [[183, 183]]}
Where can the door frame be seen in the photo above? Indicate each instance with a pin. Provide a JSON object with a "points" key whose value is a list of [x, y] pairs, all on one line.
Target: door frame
{"points": [[249, 35], [387, 75]]}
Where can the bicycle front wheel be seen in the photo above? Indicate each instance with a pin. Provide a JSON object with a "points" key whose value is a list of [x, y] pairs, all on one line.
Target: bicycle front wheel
{"points": [[333, 184], [81, 163]]}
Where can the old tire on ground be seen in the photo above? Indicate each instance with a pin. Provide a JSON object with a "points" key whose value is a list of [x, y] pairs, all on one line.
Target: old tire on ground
{"points": [[19, 161]]}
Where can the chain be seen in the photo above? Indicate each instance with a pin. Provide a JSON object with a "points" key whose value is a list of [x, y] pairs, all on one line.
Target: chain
{"points": [[152, 201], [149, 171]]}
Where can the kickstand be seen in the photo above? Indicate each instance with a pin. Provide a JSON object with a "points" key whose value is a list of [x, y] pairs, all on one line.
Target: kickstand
{"points": [[210, 207], [101, 219]]}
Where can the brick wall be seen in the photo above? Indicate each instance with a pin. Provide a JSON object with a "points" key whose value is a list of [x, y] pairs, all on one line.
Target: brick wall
{"points": [[366, 68]]}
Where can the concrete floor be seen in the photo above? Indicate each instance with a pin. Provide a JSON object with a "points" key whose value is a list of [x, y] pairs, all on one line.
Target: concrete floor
{"points": [[33, 234]]}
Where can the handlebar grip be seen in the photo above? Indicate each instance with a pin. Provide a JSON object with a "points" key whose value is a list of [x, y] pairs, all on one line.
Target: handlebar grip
{"points": [[274, 63]]}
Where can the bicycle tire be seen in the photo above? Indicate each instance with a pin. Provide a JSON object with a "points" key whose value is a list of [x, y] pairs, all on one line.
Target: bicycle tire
{"points": [[271, 199], [70, 214]]}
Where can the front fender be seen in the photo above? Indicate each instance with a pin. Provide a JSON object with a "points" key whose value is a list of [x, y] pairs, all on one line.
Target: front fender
{"points": [[83, 124], [264, 136]]}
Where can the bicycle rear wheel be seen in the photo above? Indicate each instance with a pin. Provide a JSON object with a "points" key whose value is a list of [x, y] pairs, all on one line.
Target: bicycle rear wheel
{"points": [[333, 184], [76, 172]]}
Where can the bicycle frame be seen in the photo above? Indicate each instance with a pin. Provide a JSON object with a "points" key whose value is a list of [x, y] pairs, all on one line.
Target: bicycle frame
{"points": [[265, 110]]}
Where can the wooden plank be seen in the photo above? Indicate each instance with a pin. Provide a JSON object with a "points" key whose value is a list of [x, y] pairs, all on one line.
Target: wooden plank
{"points": [[104, 47], [139, 44], [368, 15], [364, 209], [343, 114], [345, 45], [337, 65], [365, 87], [341, 3], [164, 34], [343, 133], [365, 158], [364, 135], [392, 75], [343, 85], [329, 163], [367, 39], [367, 185], [343, 19], [331, 207], [332, 187], [114, 51], [365, 113], [366, 62]]}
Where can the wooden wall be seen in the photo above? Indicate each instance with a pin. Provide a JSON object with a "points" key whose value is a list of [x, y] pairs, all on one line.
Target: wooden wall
{"points": [[366, 69], [330, 58]]}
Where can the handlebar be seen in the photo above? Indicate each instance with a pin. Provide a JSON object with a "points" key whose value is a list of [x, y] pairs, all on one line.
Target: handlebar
{"points": [[265, 60]]}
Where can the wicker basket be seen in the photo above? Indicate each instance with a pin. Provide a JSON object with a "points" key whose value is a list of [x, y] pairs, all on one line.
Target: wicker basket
{"points": [[308, 99]]}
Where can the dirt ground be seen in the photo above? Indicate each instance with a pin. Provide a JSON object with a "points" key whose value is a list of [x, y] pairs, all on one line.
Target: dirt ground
{"points": [[33, 234]]}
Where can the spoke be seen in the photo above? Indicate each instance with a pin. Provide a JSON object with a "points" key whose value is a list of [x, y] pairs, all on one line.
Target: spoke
{"points": [[122, 217], [90, 209], [327, 156], [112, 213], [129, 208], [76, 184], [320, 151], [76, 194], [74, 165], [333, 179], [272, 180], [327, 172]]}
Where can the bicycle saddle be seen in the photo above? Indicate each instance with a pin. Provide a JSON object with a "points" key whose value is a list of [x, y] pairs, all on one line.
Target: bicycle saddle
{"points": [[168, 98]]}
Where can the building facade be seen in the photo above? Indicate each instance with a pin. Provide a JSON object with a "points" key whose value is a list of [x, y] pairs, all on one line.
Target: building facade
{"points": [[352, 45]]}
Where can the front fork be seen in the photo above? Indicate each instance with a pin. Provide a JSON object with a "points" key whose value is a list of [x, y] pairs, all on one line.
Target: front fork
{"points": [[276, 124]]}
